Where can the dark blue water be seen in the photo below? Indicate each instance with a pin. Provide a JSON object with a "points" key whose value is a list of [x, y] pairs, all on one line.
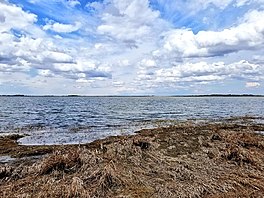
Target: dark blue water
{"points": [[57, 120]]}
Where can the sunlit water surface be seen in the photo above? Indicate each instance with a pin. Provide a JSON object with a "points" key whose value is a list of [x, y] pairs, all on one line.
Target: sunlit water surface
{"points": [[67, 120]]}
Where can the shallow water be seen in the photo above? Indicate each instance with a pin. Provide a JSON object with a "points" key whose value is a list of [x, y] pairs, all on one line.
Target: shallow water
{"points": [[63, 120], [6, 158]]}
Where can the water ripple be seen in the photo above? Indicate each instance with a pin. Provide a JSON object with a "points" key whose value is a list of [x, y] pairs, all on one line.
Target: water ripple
{"points": [[52, 120]]}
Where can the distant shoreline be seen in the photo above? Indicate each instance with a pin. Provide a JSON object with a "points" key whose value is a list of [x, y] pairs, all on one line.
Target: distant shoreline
{"points": [[131, 96]]}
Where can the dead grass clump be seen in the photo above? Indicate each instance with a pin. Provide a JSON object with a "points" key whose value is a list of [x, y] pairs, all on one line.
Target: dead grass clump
{"points": [[105, 180], [5, 172], [77, 188], [239, 155], [250, 140], [242, 147], [245, 139], [67, 162]]}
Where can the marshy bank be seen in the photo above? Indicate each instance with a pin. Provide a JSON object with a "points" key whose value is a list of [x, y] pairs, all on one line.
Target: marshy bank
{"points": [[204, 159]]}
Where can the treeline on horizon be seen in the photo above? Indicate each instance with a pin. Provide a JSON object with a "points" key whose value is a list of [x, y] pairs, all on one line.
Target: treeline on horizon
{"points": [[76, 95]]}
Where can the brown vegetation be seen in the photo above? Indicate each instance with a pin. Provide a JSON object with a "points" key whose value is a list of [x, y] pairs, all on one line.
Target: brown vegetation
{"points": [[9, 146], [185, 160]]}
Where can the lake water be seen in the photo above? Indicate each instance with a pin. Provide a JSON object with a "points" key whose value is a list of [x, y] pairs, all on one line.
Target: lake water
{"points": [[63, 120]]}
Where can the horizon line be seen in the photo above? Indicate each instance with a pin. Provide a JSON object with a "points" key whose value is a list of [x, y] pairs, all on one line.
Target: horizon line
{"points": [[143, 95]]}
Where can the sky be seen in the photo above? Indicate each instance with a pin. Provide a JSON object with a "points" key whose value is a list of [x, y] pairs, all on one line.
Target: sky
{"points": [[131, 47]]}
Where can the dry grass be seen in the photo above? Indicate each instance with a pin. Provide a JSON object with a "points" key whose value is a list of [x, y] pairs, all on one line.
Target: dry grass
{"points": [[59, 161], [185, 160], [9, 146]]}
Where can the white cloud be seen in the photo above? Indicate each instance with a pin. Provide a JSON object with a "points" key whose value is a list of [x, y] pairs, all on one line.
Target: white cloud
{"points": [[118, 83], [252, 84], [12, 16], [200, 73], [73, 3], [130, 21], [148, 63], [125, 46], [44, 54], [62, 28], [83, 80], [57, 57], [94, 5], [19, 66], [39, 52], [198, 4], [83, 69], [45, 73], [246, 36], [240, 3]]}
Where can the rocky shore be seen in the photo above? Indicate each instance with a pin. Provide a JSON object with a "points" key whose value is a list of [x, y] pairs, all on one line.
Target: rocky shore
{"points": [[205, 159]]}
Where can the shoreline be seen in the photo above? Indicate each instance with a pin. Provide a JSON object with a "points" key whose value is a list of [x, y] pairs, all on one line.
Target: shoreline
{"points": [[211, 159], [10, 145], [141, 96]]}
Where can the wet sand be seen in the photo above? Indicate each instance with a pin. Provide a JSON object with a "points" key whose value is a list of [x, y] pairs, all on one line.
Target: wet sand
{"points": [[212, 159]]}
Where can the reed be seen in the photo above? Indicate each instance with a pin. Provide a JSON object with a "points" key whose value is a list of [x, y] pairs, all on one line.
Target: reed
{"points": [[184, 160]]}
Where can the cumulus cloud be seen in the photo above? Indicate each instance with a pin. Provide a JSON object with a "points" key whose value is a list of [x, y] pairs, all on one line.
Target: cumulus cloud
{"points": [[12, 16], [130, 21], [118, 83], [82, 70], [37, 52], [258, 59], [148, 63], [62, 28], [45, 73], [18, 66], [252, 84], [94, 6], [73, 3], [13, 20], [184, 43], [201, 72], [128, 46], [240, 3], [24, 52]]}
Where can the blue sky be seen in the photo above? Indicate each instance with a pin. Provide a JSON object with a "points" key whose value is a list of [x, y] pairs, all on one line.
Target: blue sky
{"points": [[132, 47]]}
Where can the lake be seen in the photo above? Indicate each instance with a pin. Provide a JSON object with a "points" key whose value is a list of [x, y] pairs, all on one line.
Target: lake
{"points": [[65, 120]]}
